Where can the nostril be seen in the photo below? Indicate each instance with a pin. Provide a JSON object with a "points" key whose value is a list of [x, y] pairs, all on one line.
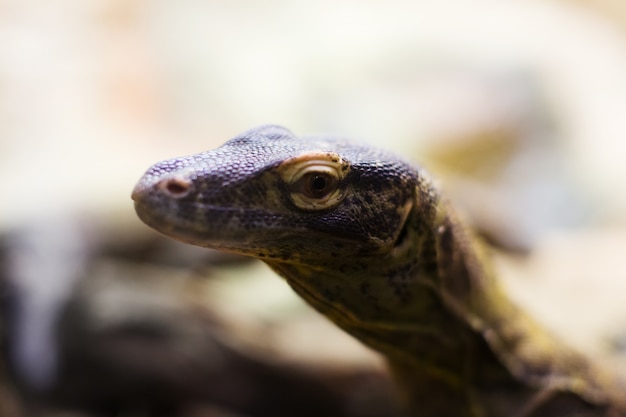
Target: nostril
{"points": [[176, 187]]}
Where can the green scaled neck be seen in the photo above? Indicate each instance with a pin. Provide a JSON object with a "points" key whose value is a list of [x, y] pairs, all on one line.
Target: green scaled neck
{"points": [[454, 341], [398, 305]]}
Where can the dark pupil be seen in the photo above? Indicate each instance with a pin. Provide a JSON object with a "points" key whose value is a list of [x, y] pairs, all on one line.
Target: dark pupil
{"points": [[318, 183]]}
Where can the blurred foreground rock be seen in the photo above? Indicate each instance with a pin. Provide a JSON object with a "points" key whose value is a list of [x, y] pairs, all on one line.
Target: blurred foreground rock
{"points": [[106, 321]]}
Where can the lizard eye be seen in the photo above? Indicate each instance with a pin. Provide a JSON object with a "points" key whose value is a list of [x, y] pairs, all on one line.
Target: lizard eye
{"points": [[314, 179], [318, 184]]}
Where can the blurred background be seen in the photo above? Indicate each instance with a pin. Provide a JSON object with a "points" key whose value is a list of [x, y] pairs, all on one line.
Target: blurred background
{"points": [[518, 108]]}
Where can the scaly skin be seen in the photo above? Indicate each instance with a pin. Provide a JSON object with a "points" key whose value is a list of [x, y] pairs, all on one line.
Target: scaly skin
{"points": [[366, 239]]}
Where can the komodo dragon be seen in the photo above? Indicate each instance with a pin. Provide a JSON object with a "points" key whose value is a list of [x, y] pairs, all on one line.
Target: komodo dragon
{"points": [[367, 240]]}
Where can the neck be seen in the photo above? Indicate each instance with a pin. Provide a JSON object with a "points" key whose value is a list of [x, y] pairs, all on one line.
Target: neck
{"points": [[438, 360], [455, 343], [399, 306]]}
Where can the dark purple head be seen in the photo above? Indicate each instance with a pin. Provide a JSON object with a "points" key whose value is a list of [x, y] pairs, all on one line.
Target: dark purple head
{"points": [[272, 195]]}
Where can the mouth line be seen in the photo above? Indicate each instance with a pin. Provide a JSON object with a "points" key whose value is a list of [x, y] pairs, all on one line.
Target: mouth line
{"points": [[184, 230], [153, 218], [173, 231], [139, 199]]}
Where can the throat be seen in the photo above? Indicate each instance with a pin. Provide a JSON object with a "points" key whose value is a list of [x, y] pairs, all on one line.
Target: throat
{"points": [[442, 367], [399, 313]]}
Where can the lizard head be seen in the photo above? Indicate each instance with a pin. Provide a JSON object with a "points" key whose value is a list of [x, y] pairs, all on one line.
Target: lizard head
{"points": [[269, 194]]}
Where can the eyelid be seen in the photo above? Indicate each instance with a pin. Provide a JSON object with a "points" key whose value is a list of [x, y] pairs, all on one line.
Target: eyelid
{"points": [[315, 169], [307, 167], [292, 169]]}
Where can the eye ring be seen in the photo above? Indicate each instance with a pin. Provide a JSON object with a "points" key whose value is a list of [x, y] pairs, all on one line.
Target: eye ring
{"points": [[314, 180], [316, 187]]}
